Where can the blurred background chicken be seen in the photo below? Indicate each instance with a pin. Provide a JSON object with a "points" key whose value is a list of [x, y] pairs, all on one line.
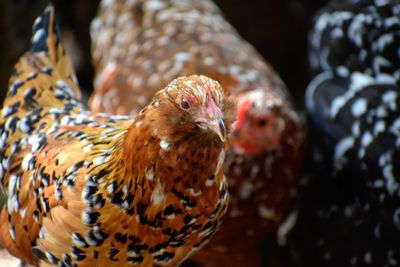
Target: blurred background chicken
{"points": [[353, 104], [137, 46], [99, 190]]}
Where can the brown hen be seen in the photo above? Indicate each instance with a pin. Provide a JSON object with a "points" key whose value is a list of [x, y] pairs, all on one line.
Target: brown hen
{"points": [[103, 190], [139, 45]]}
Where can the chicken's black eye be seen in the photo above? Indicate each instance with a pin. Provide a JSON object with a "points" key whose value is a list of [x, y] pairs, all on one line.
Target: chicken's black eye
{"points": [[262, 122], [185, 104]]}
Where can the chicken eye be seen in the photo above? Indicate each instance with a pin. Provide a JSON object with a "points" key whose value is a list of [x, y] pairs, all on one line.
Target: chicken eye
{"points": [[185, 104], [262, 122]]}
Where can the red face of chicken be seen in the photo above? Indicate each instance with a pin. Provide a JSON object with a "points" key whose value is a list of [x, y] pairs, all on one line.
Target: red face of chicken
{"points": [[258, 127]]}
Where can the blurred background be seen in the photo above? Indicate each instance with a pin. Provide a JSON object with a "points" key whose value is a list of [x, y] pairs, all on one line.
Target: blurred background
{"points": [[278, 30]]}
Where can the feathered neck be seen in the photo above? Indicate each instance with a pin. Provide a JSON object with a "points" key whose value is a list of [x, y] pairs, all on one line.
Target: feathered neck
{"points": [[170, 155]]}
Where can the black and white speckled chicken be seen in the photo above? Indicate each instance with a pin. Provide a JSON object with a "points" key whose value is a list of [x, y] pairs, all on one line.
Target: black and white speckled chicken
{"points": [[104, 190], [139, 45], [353, 217], [356, 36], [352, 102]]}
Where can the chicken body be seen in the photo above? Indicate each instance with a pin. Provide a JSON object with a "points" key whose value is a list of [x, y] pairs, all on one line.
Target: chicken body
{"points": [[102, 190], [353, 105], [140, 45]]}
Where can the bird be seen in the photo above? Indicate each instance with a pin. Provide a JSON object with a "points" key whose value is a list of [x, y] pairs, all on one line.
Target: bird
{"points": [[352, 100], [355, 36], [139, 45], [352, 103], [93, 189]]}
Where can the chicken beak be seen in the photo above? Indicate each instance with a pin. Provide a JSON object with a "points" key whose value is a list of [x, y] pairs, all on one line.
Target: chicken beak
{"points": [[218, 126]]}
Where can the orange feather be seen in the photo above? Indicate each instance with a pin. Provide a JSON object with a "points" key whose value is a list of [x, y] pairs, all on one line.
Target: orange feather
{"points": [[99, 190]]}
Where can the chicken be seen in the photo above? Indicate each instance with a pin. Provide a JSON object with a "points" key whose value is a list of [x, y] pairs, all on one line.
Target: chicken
{"points": [[353, 106], [140, 45], [353, 101], [356, 36], [103, 190]]}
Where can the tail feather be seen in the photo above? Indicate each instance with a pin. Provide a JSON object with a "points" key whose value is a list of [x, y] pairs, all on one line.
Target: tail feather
{"points": [[44, 31], [44, 68], [46, 36]]}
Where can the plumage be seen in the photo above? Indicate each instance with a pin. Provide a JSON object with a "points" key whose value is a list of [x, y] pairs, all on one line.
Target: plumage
{"points": [[356, 35], [140, 45], [89, 189], [353, 104]]}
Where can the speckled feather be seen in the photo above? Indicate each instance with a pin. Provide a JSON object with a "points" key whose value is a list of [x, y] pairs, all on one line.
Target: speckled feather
{"points": [[354, 47], [354, 109], [357, 35], [356, 117], [357, 123], [102, 190], [161, 40], [140, 45]]}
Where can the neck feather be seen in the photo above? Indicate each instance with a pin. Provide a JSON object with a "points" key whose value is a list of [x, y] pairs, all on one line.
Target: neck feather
{"points": [[189, 160]]}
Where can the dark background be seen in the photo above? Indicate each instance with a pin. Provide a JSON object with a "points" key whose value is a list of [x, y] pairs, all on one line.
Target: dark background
{"points": [[277, 28]]}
